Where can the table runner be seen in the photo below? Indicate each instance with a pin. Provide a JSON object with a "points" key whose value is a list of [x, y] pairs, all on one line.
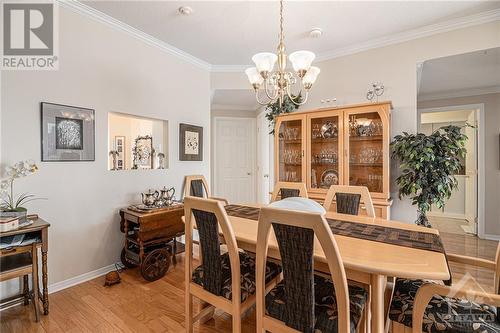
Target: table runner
{"points": [[394, 236], [407, 238]]}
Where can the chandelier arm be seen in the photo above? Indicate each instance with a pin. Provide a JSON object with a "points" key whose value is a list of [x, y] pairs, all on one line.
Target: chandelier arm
{"points": [[272, 97], [294, 100], [258, 99]]}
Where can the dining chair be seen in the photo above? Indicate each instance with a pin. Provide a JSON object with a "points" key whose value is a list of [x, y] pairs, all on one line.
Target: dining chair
{"points": [[304, 301], [226, 281], [425, 306], [288, 189], [20, 262], [197, 186], [348, 199]]}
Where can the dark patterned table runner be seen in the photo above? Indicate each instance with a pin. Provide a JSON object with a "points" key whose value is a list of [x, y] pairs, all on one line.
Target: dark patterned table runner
{"points": [[377, 233]]}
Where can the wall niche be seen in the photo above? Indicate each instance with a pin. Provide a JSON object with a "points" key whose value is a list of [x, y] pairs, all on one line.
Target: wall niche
{"points": [[136, 143]]}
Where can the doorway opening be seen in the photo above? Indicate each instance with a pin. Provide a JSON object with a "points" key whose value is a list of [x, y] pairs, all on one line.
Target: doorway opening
{"points": [[460, 215]]}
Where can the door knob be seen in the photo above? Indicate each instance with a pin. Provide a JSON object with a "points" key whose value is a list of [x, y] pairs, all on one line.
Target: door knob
{"points": [[266, 176], [249, 173]]}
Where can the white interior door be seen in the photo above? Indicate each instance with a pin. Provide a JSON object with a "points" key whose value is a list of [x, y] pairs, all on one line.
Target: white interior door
{"points": [[263, 166], [463, 203], [235, 159], [471, 166]]}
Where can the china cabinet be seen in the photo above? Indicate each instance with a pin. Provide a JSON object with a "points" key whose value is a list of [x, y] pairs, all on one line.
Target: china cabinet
{"points": [[347, 145]]}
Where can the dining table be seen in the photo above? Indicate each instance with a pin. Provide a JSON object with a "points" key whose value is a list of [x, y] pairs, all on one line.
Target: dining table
{"points": [[368, 261]]}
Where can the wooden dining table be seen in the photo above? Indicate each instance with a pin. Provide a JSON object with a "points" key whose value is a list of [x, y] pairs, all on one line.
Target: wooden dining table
{"points": [[367, 262]]}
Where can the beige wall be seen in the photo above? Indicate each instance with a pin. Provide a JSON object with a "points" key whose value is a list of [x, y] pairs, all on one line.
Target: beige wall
{"points": [[491, 151], [348, 79], [106, 70]]}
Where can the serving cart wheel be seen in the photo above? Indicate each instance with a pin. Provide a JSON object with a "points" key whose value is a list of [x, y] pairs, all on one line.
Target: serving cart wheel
{"points": [[126, 261], [155, 264]]}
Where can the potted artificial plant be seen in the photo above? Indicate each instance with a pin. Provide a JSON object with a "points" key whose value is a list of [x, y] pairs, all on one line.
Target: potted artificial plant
{"points": [[8, 201], [428, 166]]}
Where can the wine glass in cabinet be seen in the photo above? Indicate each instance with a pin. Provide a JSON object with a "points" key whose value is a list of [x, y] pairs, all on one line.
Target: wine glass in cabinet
{"points": [[289, 140], [324, 150], [367, 149]]}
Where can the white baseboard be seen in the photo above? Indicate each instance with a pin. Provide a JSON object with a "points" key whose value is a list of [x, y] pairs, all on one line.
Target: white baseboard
{"points": [[58, 286], [447, 215], [55, 287], [491, 237]]}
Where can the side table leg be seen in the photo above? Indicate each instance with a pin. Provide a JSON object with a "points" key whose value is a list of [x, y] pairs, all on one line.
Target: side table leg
{"points": [[26, 290], [45, 299]]}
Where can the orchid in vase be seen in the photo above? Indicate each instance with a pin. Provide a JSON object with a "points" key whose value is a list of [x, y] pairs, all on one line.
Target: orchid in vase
{"points": [[9, 202]]}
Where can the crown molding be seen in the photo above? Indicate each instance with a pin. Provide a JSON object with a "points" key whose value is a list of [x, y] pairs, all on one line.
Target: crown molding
{"points": [[229, 68], [459, 93], [99, 16], [429, 30], [426, 31]]}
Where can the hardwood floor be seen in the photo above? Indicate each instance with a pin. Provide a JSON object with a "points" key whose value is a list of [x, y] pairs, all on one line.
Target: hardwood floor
{"points": [[456, 241], [137, 306], [131, 306]]}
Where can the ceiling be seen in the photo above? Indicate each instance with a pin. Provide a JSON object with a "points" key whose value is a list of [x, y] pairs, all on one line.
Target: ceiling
{"points": [[230, 32], [475, 72]]}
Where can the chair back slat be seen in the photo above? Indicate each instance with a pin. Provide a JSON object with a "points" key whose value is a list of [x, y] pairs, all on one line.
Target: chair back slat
{"points": [[295, 233], [296, 252], [347, 199], [210, 215], [289, 193], [347, 203], [197, 188], [208, 231], [289, 189]]}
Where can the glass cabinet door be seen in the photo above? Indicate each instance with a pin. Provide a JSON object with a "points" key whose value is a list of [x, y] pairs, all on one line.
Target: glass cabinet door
{"points": [[324, 153], [290, 149], [365, 132]]}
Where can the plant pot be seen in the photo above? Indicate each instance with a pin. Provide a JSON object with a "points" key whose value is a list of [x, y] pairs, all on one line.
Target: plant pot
{"points": [[20, 214], [422, 220]]}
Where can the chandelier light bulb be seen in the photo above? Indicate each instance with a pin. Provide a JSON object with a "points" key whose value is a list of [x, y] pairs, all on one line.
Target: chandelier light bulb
{"points": [[254, 76], [311, 76], [280, 84], [301, 60], [265, 61]]}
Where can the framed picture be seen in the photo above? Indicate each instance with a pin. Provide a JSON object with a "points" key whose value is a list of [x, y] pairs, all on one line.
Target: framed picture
{"points": [[120, 148], [190, 143], [143, 152], [68, 133]]}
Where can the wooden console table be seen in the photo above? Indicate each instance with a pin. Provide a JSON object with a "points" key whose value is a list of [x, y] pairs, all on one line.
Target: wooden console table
{"points": [[40, 229]]}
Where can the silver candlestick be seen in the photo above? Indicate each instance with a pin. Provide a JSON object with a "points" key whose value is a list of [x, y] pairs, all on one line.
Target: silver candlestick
{"points": [[114, 155], [161, 160]]}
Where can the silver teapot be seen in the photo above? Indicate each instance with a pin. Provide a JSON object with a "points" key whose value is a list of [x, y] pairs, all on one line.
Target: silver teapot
{"points": [[167, 195], [149, 198]]}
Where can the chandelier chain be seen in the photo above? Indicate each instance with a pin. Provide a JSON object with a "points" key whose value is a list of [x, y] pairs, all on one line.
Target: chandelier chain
{"points": [[281, 23], [278, 84]]}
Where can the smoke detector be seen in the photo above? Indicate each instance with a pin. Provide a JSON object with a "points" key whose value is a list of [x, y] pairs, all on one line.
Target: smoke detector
{"points": [[185, 10], [315, 33]]}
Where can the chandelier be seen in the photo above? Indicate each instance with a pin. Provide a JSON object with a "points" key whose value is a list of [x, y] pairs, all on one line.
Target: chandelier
{"points": [[278, 84]]}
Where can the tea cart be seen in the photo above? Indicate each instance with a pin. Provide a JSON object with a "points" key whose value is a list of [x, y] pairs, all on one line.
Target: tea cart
{"points": [[150, 238]]}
